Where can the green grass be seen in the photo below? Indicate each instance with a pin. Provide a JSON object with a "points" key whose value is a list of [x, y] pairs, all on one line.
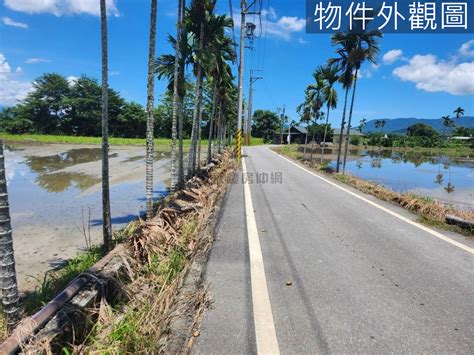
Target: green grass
{"points": [[39, 138], [55, 281]]}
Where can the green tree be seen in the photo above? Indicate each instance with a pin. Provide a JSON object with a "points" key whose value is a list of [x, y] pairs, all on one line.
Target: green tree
{"points": [[265, 123], [45, 105], [421, 130], [448, 124]]}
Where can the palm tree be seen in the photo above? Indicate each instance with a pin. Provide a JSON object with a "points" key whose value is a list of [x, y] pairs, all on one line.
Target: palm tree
{"points": [[362, 124], [459, 112], [7, 258], [221, 50], [107, 223], [196, 22], [174, 173], [364, 47], [330, 76], [305, 110], [447, 124], [316, 95], [150, 120], [165, 67], [380, 124], [341, 65]]}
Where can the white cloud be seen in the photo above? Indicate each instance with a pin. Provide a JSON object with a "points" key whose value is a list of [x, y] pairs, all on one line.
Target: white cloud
{"points": [[282, 28], [11, 90], [36, 60], [19, 70], [434, 75], [72, 79], [392, 56], [9, 22], [467, 49], [61, 7]]}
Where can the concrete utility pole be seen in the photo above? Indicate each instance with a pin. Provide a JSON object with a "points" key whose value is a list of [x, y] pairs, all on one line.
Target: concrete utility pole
{"points": [[246, 30], [282, 119], [238, 148], [253, 79]]}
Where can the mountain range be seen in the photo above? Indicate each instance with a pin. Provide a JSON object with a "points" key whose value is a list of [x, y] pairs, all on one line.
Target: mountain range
{"points": [[400, 125]]}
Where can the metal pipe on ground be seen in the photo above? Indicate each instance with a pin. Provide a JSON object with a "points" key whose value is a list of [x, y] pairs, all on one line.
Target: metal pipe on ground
{"points": [[30, 326]]}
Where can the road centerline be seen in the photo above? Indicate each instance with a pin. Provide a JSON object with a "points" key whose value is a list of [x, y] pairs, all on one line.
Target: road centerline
{"points": [[382, 208], [265, 334]]}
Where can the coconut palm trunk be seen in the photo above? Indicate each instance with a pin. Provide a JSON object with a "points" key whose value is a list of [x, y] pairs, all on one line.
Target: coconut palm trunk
{"points": [[173, 170], [341, 134], [181, 143], [197, 111], [312, 146], [349, 123], [325, 135], [8, 281], [107, 221], [211, 124], [199, 137], [219, 133], [150, 119]]}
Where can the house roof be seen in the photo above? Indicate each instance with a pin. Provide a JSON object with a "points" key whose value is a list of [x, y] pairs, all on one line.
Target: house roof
{"points": [[300, 129], [354, 132]]}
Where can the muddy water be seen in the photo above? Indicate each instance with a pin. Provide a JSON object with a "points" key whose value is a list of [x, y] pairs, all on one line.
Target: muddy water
{"points": [[54, 188]]}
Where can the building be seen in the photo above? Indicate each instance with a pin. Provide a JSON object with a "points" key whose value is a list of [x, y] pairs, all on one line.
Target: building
{"points": [[336, 132], [298, 135]]}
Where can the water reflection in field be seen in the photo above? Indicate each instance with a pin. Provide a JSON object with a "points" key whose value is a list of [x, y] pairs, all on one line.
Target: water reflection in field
{"points": [[448, 179], [53, 187]]}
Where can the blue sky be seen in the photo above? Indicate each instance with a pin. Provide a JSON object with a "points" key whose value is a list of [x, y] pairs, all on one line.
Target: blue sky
{"points": [[424, 76]]}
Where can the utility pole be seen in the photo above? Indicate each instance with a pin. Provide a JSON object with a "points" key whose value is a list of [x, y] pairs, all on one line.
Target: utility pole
{"points": [[246, 30], [238, 148], [282, 119], [253, 79]]}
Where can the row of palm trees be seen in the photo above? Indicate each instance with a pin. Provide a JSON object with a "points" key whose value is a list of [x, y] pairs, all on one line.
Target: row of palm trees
{"points": [[202, 45], [353, 49]]}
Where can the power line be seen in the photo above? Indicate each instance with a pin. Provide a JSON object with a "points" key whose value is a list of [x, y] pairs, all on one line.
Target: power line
{"points": [[233, 26]]}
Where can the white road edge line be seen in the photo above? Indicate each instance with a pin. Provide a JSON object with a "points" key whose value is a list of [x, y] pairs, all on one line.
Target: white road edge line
{"points": [[400, 217], [265, 334]]}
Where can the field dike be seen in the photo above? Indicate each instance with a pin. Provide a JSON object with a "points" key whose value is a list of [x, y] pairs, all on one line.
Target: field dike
{"points": [[430, 212], [147, 295]]}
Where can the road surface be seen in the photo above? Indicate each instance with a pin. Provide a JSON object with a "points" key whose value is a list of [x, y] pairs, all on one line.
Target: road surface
{"points": [[310, 266]]}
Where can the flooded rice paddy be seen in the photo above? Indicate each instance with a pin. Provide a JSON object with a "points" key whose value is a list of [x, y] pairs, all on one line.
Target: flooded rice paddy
{"points": [[55, 189], [447, 179]]}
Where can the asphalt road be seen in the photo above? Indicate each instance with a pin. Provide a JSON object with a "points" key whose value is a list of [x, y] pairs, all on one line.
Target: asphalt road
{"points": [[342, 275]]}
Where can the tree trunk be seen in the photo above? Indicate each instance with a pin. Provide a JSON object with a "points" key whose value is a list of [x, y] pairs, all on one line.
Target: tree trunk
{"points": [[219, 133], [181, 144], [173, 171], [197, 113], [211, 125], [348, 134], [343, 125], [107, 221], [150, 120], [8, 281], [325, 135], [312, 147], [305, 141]]}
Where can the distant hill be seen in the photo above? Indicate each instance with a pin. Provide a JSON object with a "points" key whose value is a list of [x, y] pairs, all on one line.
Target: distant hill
{"points": [[400, 125]]}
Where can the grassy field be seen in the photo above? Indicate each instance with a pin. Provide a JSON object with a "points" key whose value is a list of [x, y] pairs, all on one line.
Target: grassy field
{"points": [[37, 138]]}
